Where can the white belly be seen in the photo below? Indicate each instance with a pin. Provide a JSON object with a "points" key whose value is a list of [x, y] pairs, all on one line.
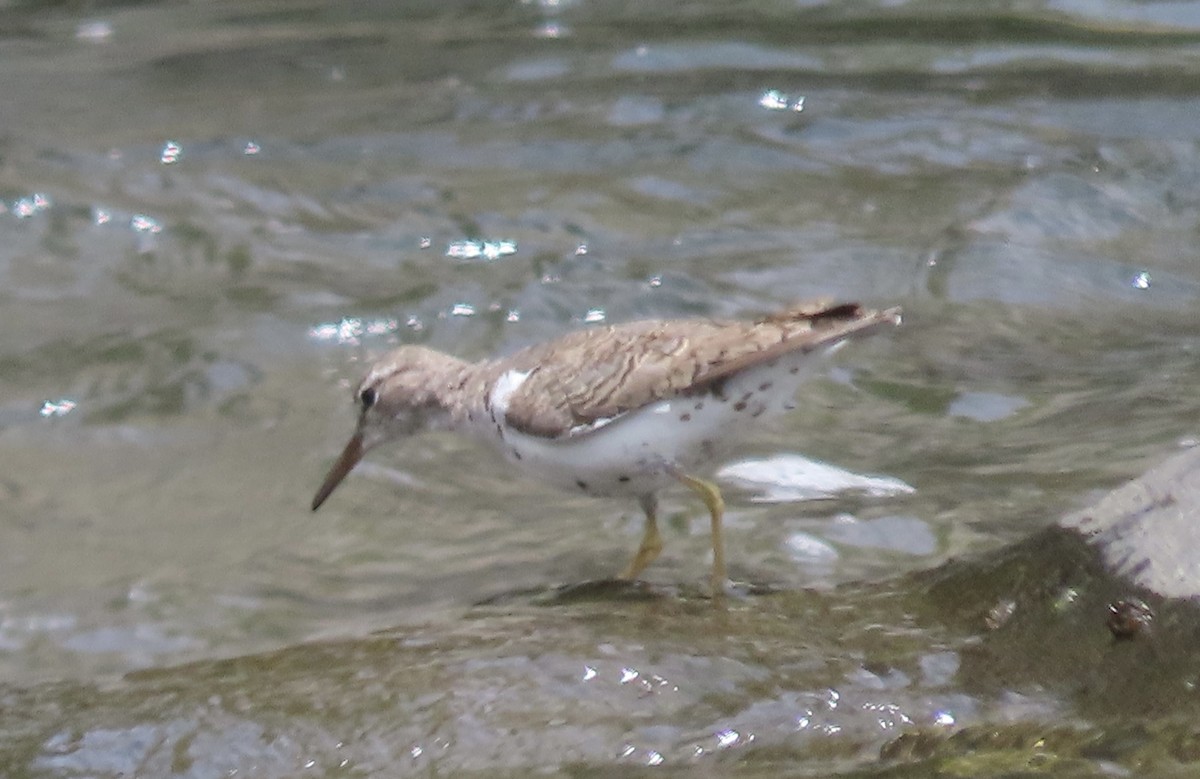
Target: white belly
{"points": [[631, 454]]}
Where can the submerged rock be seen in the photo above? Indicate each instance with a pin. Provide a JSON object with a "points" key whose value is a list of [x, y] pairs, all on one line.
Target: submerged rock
{"points": [[1149, 530]]}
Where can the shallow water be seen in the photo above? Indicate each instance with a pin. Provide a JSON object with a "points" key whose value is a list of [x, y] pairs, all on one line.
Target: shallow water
{"points": [[213, 215]]}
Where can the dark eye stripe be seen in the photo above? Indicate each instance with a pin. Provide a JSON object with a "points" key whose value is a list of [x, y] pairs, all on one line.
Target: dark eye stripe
{"points": [[367, 397]]}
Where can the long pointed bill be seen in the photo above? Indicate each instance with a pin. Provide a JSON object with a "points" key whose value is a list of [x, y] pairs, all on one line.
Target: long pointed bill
{"points": [[345, 462]]}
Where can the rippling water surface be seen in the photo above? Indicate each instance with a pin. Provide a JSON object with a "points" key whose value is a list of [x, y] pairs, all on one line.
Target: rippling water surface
{"points": [[214, 215]]}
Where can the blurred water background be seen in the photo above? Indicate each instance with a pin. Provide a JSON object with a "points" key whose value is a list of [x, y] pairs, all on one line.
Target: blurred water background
{"points": [[214, 214]]}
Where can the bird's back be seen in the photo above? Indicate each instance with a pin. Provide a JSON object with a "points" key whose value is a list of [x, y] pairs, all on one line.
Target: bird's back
{"points": [[588, 378]]}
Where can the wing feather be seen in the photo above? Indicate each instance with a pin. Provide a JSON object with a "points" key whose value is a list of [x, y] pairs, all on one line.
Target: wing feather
{"points": [[585, 379]]}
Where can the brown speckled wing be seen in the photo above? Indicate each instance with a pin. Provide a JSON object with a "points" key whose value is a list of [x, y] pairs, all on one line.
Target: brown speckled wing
{"points": [[599, 374]]}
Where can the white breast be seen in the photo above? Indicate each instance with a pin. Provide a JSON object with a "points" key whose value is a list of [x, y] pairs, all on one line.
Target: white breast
{"points": [[502, 392]]}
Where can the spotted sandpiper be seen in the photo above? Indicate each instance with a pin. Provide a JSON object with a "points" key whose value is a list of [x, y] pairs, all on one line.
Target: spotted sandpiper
{"points": [[623, 410]]}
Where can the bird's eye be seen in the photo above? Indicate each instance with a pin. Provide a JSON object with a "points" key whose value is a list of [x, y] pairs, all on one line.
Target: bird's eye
{"points": [[368, 397]]}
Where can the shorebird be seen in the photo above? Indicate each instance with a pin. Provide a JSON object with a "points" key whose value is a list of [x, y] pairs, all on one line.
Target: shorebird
{"points": [[622, 410]]}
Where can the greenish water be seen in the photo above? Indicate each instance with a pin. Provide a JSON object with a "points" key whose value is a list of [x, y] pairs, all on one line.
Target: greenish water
{"points": [[214, 215]]}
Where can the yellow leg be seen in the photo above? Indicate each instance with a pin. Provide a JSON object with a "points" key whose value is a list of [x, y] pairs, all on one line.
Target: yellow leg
{"points": [[651, 542], [711, 495]]}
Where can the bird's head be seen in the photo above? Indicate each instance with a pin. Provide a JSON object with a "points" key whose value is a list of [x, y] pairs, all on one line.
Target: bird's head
{"points": [[406, 391]]}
